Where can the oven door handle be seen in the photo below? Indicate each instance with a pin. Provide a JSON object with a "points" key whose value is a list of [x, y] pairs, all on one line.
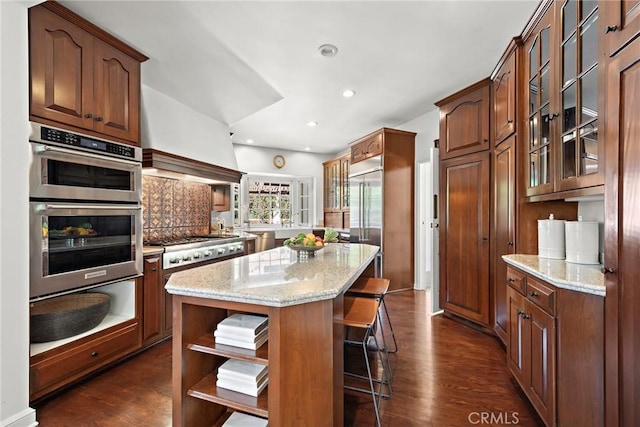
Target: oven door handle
{"points": [[45, 207], [44, 148]]}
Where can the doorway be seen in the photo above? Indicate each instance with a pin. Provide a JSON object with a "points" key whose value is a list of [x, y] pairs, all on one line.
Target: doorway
{"points": [[428, 226]]}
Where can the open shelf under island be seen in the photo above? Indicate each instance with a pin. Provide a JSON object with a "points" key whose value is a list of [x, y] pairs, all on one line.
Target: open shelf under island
{"points": [[302, 298]]}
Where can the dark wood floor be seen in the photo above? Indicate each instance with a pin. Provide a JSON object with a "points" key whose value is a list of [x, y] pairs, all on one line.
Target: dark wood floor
{"points": [[445, 374]]}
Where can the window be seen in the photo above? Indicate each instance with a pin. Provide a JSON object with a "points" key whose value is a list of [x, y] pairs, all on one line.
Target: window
{"points": [[279, 201]]}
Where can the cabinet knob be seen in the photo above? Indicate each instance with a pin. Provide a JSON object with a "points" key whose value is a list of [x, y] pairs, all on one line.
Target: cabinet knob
{"points": [[94, 354], [525, 315], [511, 280], [154, 269], [534, 294], [554, 116], [509, 121], [519, 312], [88, 115], [99, 119], [509, 243], [611, 29], [607, 270]]}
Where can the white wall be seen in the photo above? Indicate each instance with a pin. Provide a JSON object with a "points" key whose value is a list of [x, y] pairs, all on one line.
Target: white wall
{"points": [[427, 128], [170, 126], [259, 160], [14, 249]]}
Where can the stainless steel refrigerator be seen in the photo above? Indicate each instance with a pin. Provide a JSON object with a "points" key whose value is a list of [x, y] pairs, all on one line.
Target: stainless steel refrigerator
{"points": [[366, 204]]}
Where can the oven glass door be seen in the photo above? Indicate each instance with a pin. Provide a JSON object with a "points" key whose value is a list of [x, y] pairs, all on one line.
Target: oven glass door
{"points": [[75, 245], [60, 173]]}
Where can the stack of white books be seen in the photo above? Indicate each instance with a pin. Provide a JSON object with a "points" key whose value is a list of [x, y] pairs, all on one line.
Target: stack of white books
{"points": [[243, 377], [243, 330], [238, 419]]}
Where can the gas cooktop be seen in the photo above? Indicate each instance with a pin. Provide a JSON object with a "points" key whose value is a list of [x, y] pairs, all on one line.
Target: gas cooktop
{"points": [[197, 249]]}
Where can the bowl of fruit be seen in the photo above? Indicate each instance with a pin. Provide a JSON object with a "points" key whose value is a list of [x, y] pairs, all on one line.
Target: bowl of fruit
{"points": [[308, 244]]}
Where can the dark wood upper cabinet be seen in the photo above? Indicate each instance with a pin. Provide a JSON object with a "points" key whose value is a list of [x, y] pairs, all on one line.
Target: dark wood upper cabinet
{"points": [[621, 24], [82, 77], [564, 152], [464, 121], [116, 93], [504, 96], [370, 147]]}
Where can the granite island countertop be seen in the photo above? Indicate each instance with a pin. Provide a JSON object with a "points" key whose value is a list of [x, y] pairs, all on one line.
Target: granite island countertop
{"points": [[562, 274], [277, 277]]}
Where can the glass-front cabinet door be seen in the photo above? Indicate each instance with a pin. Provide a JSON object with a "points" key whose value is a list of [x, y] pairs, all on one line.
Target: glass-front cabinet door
{"points": [[579, 150], [540, 107]]}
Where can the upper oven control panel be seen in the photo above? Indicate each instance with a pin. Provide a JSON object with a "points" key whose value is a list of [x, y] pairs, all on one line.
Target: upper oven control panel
{"points": [[47, 134]]}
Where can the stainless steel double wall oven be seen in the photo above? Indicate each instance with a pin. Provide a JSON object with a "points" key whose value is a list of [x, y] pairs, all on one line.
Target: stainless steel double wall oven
{"points": [[85, 211]]}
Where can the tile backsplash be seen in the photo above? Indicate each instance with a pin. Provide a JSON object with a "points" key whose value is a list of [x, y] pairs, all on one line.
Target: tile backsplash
{"points": [[174, 208]]}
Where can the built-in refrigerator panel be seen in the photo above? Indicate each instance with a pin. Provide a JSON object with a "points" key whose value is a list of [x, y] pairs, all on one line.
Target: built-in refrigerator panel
{"points": [[366, 203]]}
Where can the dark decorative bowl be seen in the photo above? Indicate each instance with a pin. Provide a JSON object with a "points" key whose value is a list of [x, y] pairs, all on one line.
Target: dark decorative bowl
{"points": [[67, 315], [310, 250]]}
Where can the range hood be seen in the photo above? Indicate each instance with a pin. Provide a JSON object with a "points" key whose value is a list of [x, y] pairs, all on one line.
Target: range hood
{"points": [[156, 162]]}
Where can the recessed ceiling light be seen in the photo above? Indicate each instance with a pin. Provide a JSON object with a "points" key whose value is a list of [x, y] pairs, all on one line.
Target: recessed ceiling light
{"points": [[249, 141], [312, 124], [348, 93], [328, 50], [307, 148]]}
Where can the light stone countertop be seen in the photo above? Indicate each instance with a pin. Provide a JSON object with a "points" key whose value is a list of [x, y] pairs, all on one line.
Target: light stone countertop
{"points": [[152, 250], [562, 274], [277, 277]]}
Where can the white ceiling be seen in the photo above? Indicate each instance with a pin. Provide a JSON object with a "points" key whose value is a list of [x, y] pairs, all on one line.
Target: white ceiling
{"points": [[255, 66]]}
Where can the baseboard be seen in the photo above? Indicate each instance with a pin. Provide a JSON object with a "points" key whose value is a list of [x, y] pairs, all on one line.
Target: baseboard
{"points": [[26, 418]]}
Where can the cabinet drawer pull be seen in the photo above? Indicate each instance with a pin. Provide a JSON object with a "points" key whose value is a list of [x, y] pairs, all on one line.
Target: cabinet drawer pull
{"points": [[511, 280], [94, 354], [88, 115], [99, 119], [608, 270], [611, 29], [154, 269], [534, 294], [509, 243], [525, 315], [509, 121]]}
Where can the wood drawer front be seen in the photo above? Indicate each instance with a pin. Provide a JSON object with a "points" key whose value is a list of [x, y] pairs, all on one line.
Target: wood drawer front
{"points": [[541, 295], [517, 280], [70, 365]]}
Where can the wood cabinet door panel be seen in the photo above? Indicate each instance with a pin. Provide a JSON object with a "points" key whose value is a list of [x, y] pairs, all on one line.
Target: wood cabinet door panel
{"points": [[60, 64], [464, 124], [622, 241], [541, 388], [116, 92], [465, 237], [152, 299], [504, 99], [504, 226], [621, 23], [517, 331]]}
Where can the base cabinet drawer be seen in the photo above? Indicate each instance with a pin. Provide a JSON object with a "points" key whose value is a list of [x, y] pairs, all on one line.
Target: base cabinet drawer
{"points": [[59, 367]]}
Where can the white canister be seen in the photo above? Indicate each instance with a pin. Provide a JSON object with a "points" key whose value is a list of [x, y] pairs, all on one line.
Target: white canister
{"points": [[551, 238], [582, 241]]}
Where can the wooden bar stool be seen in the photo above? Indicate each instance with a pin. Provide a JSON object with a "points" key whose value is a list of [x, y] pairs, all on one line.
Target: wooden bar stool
{"points": [[375, 287], [360, 315]]}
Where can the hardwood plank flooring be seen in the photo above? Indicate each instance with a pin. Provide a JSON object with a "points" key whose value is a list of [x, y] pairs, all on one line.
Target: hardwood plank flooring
{"points": [[445, 374]]}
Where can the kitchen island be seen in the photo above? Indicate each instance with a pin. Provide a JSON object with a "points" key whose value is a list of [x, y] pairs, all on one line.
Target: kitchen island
{"points": [[302, 296]]}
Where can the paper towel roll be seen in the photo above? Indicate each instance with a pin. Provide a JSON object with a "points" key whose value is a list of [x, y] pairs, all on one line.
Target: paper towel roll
{"points": [[551, 238], [582, 241]]}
